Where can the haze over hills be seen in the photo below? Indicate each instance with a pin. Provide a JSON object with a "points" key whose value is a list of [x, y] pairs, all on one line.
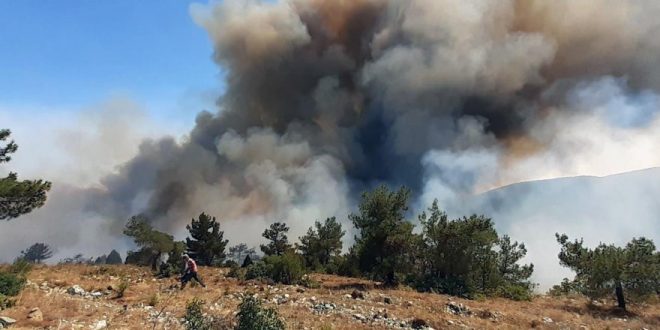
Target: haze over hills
{"points": [[611, 209]]}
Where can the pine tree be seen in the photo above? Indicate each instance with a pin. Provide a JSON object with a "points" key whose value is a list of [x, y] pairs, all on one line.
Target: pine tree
{"points": [[114, 258], [384, 235], [610, 269], [18, 197], [206, 246], [321, 243], [466, 257], [247, 261], [152, 243], [37, 253], [279, 242]]}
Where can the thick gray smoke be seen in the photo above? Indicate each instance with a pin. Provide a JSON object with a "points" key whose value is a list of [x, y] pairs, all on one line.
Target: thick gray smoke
{"points": [[362, 90], [327, 98]]}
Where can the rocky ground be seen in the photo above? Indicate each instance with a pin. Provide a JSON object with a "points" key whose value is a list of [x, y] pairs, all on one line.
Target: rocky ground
{"points": [[86, 297]]}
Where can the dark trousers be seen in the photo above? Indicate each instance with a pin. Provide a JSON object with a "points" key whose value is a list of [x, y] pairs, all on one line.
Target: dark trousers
{"points": [[187, 277]]}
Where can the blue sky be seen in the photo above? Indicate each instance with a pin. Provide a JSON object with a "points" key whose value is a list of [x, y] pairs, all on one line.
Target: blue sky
{"points": [[68, 55]]}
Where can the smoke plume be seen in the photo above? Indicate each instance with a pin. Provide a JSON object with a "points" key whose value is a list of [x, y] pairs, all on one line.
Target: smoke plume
{"points": [[327, 98]]}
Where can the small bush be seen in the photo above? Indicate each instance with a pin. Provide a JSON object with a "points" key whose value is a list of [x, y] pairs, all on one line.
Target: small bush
{"points": [[309, 283], [566, 287], [11, 284], [230, 264], [236, 272], [154, 299], [252, 315], [345, 265], [122, 287], [20, 267], [514, 292], [194, 318], [258, 270], [166, 270], [286, 269]]}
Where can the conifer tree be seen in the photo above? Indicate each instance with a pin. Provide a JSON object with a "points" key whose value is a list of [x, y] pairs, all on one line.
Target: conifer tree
{"points": [[321, 242], [279, 242], [384, 235], [37, 253], [608, 269], [206, 244], [18, 197], [152, 243]]}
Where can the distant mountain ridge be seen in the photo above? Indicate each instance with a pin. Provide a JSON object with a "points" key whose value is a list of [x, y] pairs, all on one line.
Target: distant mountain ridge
{"points": [[611, 209]]}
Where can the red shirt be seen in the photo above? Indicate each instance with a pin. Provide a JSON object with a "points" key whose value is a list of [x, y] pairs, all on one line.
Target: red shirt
{"points": [[191, 265]]}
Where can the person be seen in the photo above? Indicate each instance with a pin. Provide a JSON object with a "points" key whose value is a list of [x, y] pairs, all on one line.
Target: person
{"points": [[190, 272]]}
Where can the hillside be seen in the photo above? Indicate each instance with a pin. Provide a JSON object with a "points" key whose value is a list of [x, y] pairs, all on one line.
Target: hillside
{"points": [[611, 209], [330, 306]]}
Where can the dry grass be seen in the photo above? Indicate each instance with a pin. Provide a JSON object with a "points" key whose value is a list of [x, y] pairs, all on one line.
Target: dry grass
{"points": [[63, 311]]}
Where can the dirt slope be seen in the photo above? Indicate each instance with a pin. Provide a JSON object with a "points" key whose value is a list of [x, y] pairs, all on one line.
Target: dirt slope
{"points": [[329, 307]]}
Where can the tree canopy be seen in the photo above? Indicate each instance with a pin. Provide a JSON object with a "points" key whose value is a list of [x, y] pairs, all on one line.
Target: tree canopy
{"points": [[384, 235], [278, 241], [206, 244], [609, 269], [466, 257], [37, 253], [152, 243], [18, 197], [321, 242]]}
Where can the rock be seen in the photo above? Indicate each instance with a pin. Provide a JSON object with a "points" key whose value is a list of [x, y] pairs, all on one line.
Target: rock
{"points": [[300, 290], [96, 294], [357, 294], [323, 308], [547, 320], [409, 303], [6, 321], [387, 300], [360, 317], [312, 299], [102, 324], [76, 290], [35, 314], [457, 309]]}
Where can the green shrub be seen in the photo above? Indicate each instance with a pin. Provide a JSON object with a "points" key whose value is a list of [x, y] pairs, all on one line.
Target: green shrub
{"points": [[566, 287], [20, 267], [194, 318], [122, 287], [344, 265], [252, 315], [11, 284], [258, 270], [514, 292], [230, 263], [309, 283], [237, 272], [168, 270], [286, 269]]}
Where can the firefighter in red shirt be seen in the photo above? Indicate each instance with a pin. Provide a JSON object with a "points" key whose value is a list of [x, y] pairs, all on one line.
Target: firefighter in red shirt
{"points": [[190, 272]]}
